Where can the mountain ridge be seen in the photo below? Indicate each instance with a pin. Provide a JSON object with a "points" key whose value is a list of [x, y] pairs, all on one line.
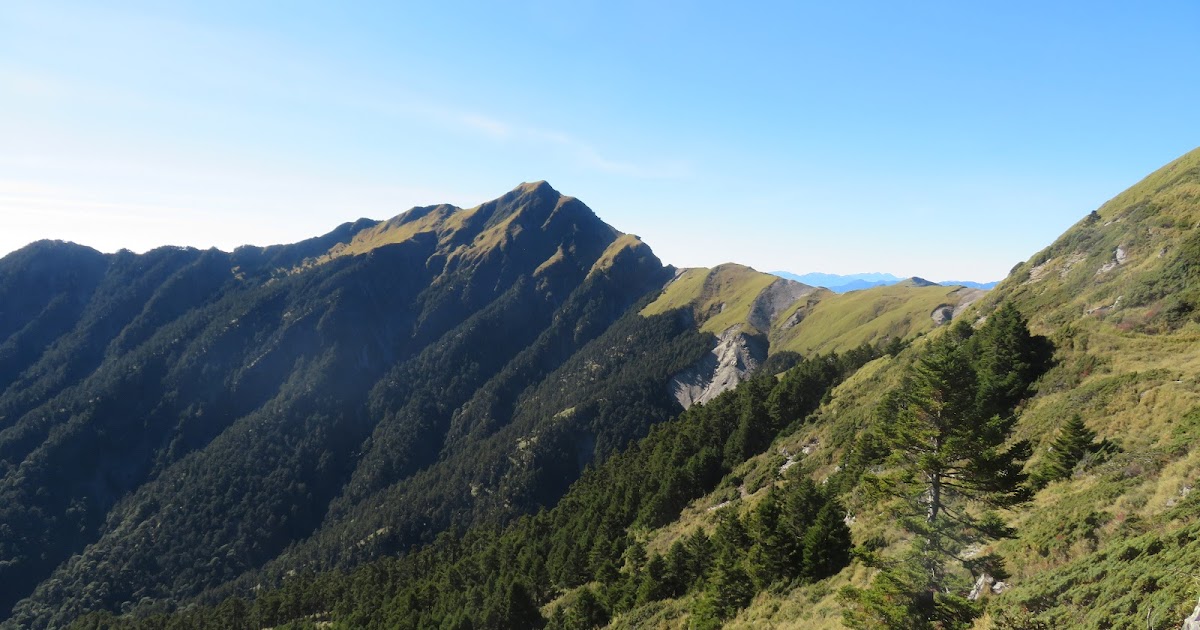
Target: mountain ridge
{"points": [[859, 281], [458, 370]]}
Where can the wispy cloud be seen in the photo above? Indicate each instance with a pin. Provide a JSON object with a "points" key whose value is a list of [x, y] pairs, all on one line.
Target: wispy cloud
{"points": [[491, 128]]}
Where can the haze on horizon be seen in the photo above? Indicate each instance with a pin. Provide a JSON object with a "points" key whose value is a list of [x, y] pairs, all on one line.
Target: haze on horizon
{"points": [[945, 140]]}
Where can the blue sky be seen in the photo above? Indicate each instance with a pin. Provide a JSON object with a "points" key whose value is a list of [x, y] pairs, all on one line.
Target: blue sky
{"points": [[940, 139]]}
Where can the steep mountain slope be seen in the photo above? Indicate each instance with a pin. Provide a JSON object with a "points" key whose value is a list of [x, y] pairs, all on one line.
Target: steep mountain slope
{"points": [[179, 418], [1113, 544], [756, 315], [1107, 540], [739, 306]]}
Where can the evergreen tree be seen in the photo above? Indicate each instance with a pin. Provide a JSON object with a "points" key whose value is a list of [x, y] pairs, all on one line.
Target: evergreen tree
{"points": [[1008, 360], [947, 430], [700, 555], [730, 539], [1074, 442], [827, 543], [587, 612], [519, 609], [677, 576], [730, 588], [654, 582], [768, 557], [802, 502]]}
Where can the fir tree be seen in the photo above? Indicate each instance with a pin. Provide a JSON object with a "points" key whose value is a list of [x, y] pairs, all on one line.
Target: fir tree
{"points": [[1074, 442], [827, 543], [947, 429], [768, 557], [802, 502]]}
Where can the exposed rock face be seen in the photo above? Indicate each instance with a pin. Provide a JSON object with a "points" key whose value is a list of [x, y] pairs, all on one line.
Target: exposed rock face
{"points": [[1193, 620], [942, 314], [946, 312], [734, 357], [774, 300]]}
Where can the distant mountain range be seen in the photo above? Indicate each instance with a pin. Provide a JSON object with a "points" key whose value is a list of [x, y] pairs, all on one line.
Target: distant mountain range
{"points": [[856, 281]]}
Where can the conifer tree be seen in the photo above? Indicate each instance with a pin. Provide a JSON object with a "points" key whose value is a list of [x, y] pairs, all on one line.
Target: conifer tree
{"points": [[654, 584], [802, 502], [947, 429], [1074, 442], [519, 609], [768, 557], [827, 543]]}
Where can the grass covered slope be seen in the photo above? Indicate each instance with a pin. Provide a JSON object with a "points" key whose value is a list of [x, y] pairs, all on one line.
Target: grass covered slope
{"points": [[1113, 543], [720, 297], [838, 322], [798, 318]]}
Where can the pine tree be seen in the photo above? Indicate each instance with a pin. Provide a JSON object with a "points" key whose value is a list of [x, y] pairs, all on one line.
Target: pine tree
{"points": [[519, 610], [587, 612], [1074, 442], [1007, 360], [802, 501], [768, 557], [678, 578], [945, 451], [827, 543], [947, 429], [654, 583]]}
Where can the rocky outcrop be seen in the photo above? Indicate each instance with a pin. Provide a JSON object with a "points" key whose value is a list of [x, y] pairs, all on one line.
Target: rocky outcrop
{"points": [[964, 296], [731, 360], [1193, 620], [774, 300]]}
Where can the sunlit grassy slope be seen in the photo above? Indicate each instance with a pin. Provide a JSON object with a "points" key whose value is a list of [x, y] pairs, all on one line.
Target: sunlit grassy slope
{"points": [[812, 320], [721, 297], [838, 322], [1115, 546]]}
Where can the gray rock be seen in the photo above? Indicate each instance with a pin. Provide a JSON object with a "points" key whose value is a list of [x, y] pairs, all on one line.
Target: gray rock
{"points": [[1193, 620], [733, 358]]}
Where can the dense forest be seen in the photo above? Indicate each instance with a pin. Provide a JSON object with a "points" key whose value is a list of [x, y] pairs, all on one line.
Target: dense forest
{"points": [[585, 560], [319, 405]]}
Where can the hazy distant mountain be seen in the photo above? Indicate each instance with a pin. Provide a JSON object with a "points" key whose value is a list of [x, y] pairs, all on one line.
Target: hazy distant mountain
{"points": [[857, 281], [835, 282], [970, 284]]}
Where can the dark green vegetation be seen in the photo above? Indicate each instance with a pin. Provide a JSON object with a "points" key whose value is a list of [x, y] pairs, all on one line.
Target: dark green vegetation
{"points": [[462, 419], [587, 546], [491, 578], [173, 421], [950, 464]]}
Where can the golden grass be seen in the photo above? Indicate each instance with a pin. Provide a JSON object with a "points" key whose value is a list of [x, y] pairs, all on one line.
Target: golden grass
{"points": [[839, 322], [720, 297]]}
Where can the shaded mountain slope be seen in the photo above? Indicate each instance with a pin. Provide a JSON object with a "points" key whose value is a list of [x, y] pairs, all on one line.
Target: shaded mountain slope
{"points": [[203, 411], [1107, 543]]}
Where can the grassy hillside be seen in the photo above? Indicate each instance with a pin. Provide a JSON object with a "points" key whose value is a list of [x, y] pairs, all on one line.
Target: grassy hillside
{"points": [[837, 322], [1115, 544], [809, 320], [740, 512], [720, 297]]}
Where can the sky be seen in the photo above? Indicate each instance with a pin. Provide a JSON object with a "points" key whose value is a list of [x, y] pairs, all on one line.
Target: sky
{"points": [[948, 140]]}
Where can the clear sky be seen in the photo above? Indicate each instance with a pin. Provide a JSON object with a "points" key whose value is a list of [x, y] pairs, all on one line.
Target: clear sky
{"points": [[949, 140]]}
